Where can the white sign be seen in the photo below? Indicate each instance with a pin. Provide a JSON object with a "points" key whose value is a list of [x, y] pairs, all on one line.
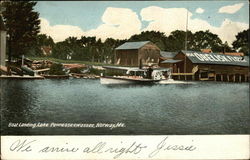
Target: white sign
{"points": [[216, 57]]}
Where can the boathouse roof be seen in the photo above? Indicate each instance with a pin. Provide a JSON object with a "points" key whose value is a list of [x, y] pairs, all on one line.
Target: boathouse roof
{"points": [[216, 58], [168, 54], [132, 45], [171, 61]]}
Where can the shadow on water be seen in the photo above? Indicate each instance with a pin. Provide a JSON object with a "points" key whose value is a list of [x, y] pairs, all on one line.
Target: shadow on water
{"points": [[127, 85]]}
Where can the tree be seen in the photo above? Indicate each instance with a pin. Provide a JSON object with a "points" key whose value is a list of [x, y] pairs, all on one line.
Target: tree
{"points": [[109, 50], [227, 48], [77, 48], [241, 43], [89, 47], [42, 40], [158, 38], [22, 24], [202, 40], [61, 50], [176, 40], [56, 69]]}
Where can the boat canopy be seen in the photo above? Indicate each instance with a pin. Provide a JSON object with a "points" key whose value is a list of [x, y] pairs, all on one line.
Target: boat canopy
{"points": [[124, 68], [135, 69]]}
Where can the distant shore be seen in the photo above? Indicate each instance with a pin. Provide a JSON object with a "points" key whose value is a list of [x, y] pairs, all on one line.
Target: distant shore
{"points": [[69, 61]]}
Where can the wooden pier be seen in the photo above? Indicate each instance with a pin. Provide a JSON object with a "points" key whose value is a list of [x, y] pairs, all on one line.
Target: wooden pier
{"points": [[192, 65], [20, 77], [221, 77]]}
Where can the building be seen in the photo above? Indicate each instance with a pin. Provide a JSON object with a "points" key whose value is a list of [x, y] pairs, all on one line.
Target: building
{"points": [[137, 53], [207, 50], [46, 50], [2, 42], [209, 66], [167, 55], [167, 59], [234, 53]]}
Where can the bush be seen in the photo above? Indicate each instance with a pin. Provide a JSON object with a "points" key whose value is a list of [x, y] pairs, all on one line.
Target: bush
{"points": [[95, 71], [76, 70], [56, 69]]}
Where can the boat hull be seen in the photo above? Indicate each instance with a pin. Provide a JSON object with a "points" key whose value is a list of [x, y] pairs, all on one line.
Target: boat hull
{"points": [[119, 80], [171, 81]]}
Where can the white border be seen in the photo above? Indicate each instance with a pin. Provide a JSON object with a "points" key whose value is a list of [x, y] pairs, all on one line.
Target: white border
{"points": [[205, 147]]}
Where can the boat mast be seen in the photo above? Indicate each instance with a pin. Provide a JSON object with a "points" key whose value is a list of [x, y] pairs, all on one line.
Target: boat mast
{"points": [[186, 32], [185, 65]]}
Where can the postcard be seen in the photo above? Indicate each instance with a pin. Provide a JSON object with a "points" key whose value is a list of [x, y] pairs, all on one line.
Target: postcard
{"points": [[124, 79]]}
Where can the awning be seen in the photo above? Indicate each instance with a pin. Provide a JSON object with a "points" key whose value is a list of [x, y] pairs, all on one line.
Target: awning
{"points": [[171, 61]]}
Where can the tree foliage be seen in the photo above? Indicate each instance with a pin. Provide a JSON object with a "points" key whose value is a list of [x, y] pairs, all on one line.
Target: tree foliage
{"points": [[56, 69], [242, 42], [86, 49], [61, 50], [157, 38], [176, 40], [22, 24], [206, 39], [93, 49], [42, 40]]}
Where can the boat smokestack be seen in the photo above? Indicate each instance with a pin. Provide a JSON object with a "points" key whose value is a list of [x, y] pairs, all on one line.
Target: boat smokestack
{"points": [[140, 64]]}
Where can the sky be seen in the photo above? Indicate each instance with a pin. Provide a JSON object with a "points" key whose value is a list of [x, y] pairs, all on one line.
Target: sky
{"points": [[122, 19]]}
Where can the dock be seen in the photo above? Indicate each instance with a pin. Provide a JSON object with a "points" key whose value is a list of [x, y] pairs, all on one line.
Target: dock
{"points": [[85, 76], [20, 77], [56, 76]]}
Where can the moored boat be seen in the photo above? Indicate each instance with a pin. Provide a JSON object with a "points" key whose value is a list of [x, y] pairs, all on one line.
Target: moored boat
{"points": [[125, 80], [131, 75]]}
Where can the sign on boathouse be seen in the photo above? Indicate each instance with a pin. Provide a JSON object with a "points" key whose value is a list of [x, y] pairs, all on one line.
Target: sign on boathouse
{"points": [[215, 58]]}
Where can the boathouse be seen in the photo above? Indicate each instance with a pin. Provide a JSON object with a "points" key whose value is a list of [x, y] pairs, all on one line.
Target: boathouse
{"points": [[192, 65], [137, 54], [2, 42]]}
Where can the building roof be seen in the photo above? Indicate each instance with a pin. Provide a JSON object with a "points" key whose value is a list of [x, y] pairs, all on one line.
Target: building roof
{"points": [[46, 49], [168, 54], [120, 68], [171, 61], [207, 50], [215, 58], [234, 53], [132, 45], [2, 26]]}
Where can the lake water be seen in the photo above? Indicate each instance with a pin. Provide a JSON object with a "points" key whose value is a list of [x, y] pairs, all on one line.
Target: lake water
{"points": [[202, 108]]}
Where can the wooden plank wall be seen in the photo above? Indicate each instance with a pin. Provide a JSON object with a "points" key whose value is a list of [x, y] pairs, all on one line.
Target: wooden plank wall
{"points": [[127, 57]]}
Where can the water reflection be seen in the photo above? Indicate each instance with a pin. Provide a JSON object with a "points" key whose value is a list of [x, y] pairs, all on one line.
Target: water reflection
{"points": [[17, 100]]}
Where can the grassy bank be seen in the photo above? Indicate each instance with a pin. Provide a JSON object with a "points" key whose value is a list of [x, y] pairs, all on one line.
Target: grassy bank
{"points": [[70, 61]]}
